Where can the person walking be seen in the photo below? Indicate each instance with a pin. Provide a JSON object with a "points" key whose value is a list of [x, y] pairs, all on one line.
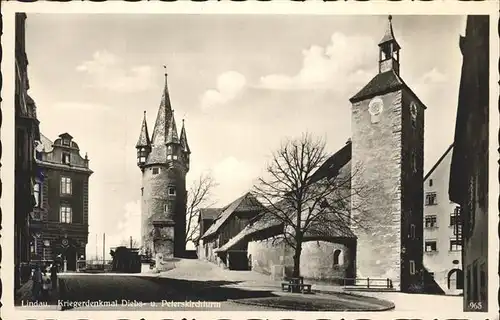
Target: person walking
{"points": [[37, 283], [53, 275]]}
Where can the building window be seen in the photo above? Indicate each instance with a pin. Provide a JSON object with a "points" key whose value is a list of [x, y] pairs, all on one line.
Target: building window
{"points": [[66, 158], [175, 157], [142, 191], [430, 246], [454, 219], [412, 231], [156, 170], [430, 182], [171, 191], [66, 214], [412, 267], [430, 199], [455, 245], [65, 185], [37, 192], [431, 221], [65, 142]]}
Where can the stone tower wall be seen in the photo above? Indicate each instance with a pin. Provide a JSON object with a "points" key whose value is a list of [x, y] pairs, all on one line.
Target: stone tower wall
{"points": [[377, 169], [155, 195]]}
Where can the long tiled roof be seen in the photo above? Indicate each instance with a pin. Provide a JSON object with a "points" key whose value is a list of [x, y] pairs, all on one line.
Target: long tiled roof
{"points": [[47, 144], [245, 203]]}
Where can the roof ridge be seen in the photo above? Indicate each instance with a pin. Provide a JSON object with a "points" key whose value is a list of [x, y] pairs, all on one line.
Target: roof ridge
{"points": [[438, 162]]}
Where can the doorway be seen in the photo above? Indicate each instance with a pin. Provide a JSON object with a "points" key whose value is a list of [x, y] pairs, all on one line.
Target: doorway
{"points": [[455, 279], [70, 257]]}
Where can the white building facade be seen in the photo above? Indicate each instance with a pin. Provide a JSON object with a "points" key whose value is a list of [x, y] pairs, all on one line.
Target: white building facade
{"points": [[442, 238]]}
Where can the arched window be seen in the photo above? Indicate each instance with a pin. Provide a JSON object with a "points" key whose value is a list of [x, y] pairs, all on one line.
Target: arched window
{"points": [[336, 257]]}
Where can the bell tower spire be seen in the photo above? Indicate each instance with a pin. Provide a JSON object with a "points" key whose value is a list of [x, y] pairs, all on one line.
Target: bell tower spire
{"points": [[389, 50], [163, 117]]}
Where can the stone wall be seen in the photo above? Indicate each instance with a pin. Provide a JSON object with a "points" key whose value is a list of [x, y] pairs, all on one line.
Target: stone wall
{"points": [[317, 259], [376, 163], [155, 197]]}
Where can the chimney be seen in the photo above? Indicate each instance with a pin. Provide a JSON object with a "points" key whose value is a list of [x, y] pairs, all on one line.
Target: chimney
{"points": [[348, 141]]}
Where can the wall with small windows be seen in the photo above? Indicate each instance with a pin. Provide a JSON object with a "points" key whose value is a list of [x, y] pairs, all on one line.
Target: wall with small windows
{"points": [[163, 195], [442, 242]]}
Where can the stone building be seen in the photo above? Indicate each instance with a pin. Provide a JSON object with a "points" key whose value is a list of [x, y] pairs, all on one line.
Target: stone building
{"points": [[388, 143], [469, 165], [26, 134], [328, 256], [61, 210], [385, 157], [164, 163], [442, 242]]}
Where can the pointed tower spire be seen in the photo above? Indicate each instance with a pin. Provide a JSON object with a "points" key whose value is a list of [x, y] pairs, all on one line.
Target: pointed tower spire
{"points": [[183, 139], [163, 117], [389, 50], [172, 136], [144, 135]]}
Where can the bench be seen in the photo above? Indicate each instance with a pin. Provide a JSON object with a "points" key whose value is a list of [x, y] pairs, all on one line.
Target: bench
{"points": [[296, 287]]}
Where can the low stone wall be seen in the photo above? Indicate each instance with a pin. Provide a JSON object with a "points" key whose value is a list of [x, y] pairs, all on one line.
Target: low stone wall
{"points": [[317, 259]]}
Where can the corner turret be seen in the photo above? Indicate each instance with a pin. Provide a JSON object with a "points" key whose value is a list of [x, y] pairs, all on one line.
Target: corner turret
{"points": [[143, 145], [185, 146], [172, 141]]}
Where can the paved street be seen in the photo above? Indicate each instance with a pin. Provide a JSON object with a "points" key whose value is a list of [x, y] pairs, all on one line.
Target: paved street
{"points": [[207, 287]]}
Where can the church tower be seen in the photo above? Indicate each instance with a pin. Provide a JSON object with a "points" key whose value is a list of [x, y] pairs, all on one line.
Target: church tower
{"points": [[164, 163], [387, 156]]}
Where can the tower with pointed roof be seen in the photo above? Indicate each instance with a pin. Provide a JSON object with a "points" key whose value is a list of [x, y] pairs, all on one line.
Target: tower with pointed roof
{"points": [[164, 163], [387, 150]]}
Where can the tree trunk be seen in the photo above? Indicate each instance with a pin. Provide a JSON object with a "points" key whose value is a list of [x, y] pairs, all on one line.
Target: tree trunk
{"points": [[296, 261]]}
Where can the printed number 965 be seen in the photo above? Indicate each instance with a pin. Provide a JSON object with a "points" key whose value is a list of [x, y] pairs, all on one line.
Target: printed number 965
{"points": [[475, 305]]}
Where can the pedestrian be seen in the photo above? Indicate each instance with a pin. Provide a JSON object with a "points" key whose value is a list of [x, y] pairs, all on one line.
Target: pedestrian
{"points": [[53, 276], [45, 285], [37, 283]]}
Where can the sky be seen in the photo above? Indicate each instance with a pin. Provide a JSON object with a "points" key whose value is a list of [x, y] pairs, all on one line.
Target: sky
{"points": [[242, 83]]}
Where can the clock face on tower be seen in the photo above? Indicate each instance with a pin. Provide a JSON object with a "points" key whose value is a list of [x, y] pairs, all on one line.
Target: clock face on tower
{"points": [[413, 110], [376, 106]]}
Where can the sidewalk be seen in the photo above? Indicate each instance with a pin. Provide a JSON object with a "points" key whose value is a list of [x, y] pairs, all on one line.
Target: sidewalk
{"points": [[23, 298]]}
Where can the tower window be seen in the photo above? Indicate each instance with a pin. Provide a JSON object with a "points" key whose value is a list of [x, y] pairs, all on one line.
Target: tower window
{"points": [[336, 257], [430, 199], [66, 185], [412, 267], [175, 157], [169, 157], [65, 214], [430, 182], [142, 191], [156, 170], [66, 158], [171, 191], [412, 231]]}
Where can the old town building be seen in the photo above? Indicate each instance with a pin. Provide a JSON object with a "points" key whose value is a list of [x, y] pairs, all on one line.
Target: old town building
{"points": [[469, 165], [26, 134], [205, 220], [164, 162], [442, 239], [61, 211]]}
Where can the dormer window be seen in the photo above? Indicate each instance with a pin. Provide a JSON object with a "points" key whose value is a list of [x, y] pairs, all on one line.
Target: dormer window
{"points": [[66, 142], [171, 191], [66, 158]]}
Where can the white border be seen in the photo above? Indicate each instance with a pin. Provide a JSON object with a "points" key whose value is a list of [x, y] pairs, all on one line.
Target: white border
{"points": [[442, 7]]}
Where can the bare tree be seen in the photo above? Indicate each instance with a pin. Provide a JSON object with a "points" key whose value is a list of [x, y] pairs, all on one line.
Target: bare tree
{"points": [[198, 197], [306, 203]]}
